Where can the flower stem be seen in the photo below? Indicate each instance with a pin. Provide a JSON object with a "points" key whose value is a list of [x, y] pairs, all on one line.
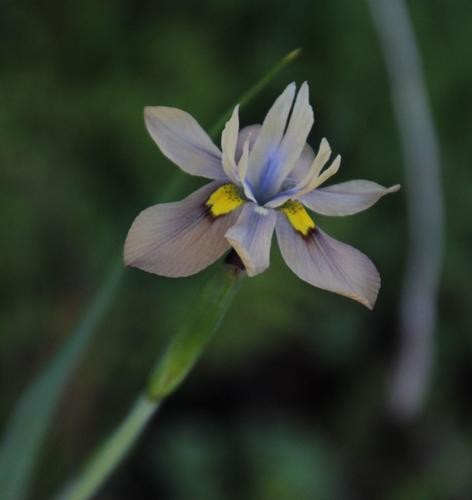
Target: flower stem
{"points": [[187, 345], [255, 89], [112, 451], [169, 372]]}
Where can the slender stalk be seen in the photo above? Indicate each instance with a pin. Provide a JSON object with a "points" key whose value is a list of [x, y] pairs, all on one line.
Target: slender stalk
{"points": [[34, 411], [425, 206], [253, 91], [112, 452], [25, 430], [170, 370]]}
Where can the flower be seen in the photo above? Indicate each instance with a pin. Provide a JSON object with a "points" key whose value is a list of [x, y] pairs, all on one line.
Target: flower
{"points": [[264, 178]]}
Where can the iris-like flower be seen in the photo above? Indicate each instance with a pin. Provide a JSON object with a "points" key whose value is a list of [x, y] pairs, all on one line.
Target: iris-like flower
{"points": [[264, 178]]}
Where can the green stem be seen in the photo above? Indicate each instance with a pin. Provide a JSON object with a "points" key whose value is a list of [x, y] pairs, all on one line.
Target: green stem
{"points": [[171, 369], [112, 452], [254, 90], [187, 345]]}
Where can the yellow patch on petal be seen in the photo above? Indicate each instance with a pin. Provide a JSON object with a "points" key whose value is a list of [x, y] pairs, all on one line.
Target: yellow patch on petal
{"points": [[224, 200], [298, 217]]}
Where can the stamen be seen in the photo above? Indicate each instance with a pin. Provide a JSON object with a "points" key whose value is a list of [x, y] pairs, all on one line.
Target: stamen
{"points": [[224, 200], [298, 217]]}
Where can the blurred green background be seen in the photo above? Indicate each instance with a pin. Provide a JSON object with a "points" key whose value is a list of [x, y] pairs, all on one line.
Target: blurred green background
{"points": [[289, 401]]}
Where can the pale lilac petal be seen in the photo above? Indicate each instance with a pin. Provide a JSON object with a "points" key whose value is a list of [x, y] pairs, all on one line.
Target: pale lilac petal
{"points": [[268, 171], [295, 137], [251, 237], [323, 177], [270, 134], [246, 139], [229, 139], [327, 263], [302, 166], [312, 177], [345, 198], [250, 132], [184, 142], [242, 170], [178, 239]]}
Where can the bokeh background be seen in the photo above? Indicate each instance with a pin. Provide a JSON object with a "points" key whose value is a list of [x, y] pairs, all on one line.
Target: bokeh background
{"points": [[290, 399]]}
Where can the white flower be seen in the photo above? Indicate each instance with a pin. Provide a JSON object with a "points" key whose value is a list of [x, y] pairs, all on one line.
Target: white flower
{"points": [[264, 178]]}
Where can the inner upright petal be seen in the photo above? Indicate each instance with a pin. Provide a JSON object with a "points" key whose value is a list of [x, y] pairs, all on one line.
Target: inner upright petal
{"points": [[229, 140], [295, 137], [270, 134], [281, 157]]}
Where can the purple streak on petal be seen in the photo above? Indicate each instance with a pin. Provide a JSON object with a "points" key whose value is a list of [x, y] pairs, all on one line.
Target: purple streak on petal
{"points": [[184, 142], [281, 158], [178, 239], [251, 237], [270, 134], [264, 188], [327, 263]]}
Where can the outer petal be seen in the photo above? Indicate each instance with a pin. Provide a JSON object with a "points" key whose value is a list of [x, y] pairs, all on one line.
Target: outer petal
{"points": [[184, 142], [178, 239], [345, 198], [329, 264], [251, 237]]}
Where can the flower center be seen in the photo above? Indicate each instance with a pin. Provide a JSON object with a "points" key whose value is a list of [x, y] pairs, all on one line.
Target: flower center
{"points": [[224, 200], [298, 217]]}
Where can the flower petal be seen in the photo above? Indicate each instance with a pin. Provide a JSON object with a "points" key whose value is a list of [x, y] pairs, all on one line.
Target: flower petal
{"points": [[345, 198], [302, 167], [250, 132], [242, 170], [312, 177], [178, 239], [270, 134], [327, 263], [229, 139], [295, 137], [251, 237], [184, 142], [280, 160]]}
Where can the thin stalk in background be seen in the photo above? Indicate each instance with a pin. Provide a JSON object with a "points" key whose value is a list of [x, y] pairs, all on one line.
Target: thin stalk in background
{"points": [[253, 91], [32, 415], [171, 369], [420, 145]]}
